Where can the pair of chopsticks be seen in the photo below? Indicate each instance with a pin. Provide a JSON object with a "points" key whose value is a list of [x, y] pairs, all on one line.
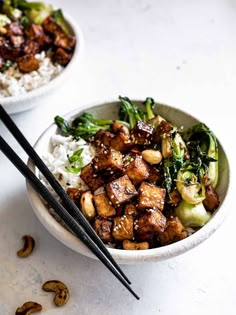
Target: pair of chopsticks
{"points": [[68, 212]]}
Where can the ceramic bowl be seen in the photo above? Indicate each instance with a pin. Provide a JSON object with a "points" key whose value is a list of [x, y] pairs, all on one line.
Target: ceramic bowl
{"points": [[178, 118], [20, 103]]}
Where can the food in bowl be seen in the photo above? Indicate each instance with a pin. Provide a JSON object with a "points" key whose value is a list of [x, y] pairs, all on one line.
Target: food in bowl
{"points": [[142, 181], [36, 43]]}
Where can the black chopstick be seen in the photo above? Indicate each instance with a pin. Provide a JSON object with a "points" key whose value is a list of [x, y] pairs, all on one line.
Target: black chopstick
{"points": [[61, 211], [69, 205]]}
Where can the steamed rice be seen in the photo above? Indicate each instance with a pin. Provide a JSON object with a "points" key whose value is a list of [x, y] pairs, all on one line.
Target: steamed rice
{"points": [[57, 160], [13, 82]]}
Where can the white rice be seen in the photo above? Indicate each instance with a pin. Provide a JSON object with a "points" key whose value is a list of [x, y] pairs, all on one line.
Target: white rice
{"points": [[57, 160], [13, 82]]}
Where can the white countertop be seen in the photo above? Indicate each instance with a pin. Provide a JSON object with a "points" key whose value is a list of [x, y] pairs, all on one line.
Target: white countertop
{"points": [[182, 53]]}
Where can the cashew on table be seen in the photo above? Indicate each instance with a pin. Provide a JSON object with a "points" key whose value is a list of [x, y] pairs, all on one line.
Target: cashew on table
{"points": [[60, 289], [28, 308], [28, 247]]}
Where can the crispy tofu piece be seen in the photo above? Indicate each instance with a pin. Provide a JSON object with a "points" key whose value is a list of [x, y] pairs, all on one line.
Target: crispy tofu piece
{"points": [[104, 205], [14, 28], [149, 237], [175, 198], [120, 190], [74, 194], [61, 39], [123, 228], [28, 63], [162, 128], [142, 133], [128, 245], [103, 228], [173, 232], [31, 47], [130, 209], [154, 176], [151, 221], [50, 26], [89, 176], [109, 161], [103, 138], [35, 32], [61, 56], [151, 197], [64, 41], [211, 202], [137, 169], [9, 52], [121, 142], [17, 40]]}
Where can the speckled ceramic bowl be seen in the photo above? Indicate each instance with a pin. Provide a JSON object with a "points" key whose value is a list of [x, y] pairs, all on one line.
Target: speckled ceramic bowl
{"points": [[20, 103], [177, 117]]}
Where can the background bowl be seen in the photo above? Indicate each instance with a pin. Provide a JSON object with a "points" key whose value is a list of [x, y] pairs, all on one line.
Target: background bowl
{"points": [[178, 118], [19, 103]]}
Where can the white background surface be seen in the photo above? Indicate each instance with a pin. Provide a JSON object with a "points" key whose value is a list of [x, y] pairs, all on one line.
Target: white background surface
{"points": [[182, 53]]}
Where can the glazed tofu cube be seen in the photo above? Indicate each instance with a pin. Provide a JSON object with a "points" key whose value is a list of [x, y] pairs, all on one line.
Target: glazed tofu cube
{"points": [[74, 194], [154, 176], [211, 202], [27, 63], [17, 40], [137, 170], [121, 142], [128, 245], [90, 177], [142, 133], [103, 138], [103, 205], [31, 47], [130, 209], [64, 41], [151, 197], [103, 228], [151, 221], [175, 198], [61, 56], [109, 161], [34, 31], [162, 128], [173, 232], [123, 228], [13, 28], [120, 190]]}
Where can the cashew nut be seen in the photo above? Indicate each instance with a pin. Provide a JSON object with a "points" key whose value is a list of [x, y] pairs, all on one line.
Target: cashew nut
{"points": [[28, 247], [3, 30], [119, 127], [128, 245], [28, 308], [152, 156], [87, 207], [61, 291]]}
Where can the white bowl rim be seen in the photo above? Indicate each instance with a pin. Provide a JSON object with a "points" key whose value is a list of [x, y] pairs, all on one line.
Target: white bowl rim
{"points": [[77, 54], [124, 256]]}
